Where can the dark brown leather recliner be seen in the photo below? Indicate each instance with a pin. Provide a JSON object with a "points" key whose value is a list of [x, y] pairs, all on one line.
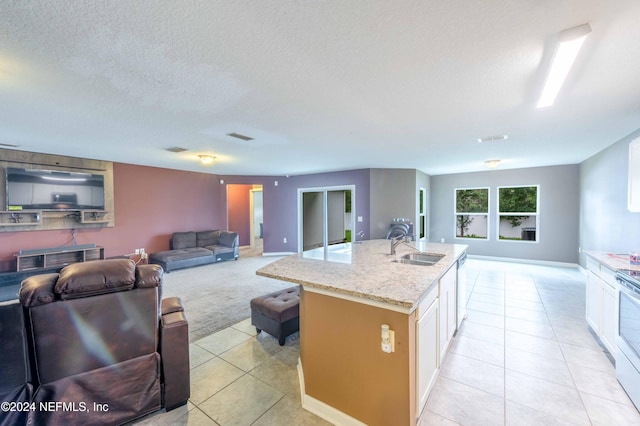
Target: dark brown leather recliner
{"points": [[103, 346], [15, 378]]}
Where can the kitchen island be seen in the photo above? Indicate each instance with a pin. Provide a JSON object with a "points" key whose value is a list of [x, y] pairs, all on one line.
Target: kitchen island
{"points": [[348, 292]]}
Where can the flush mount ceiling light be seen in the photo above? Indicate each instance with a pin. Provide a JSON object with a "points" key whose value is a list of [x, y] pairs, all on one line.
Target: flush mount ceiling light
{"points": [[492, 164], [206, 159], [569, 43]]}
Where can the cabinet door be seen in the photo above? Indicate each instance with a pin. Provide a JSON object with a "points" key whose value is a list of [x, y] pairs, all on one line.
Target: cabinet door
{"points": [[609, 318], [447, 309], [594, 301], [633, 201], [427, 353]]}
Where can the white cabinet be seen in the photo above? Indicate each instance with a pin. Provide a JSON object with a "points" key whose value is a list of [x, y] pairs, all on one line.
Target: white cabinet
{"points": [[633, 200], [594, 301], [435, 327], [602, 297], [609, 318], [447, 309], [427, 352]]}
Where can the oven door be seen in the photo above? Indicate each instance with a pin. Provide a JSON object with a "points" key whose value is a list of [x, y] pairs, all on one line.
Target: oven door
{"points": [[628, 357]]}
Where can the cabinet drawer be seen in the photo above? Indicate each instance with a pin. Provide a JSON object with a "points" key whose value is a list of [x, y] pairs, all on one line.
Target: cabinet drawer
{"points": [[593, 265], [425, 303], [608, 276]]}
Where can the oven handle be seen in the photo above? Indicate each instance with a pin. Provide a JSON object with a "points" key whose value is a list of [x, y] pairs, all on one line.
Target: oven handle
{"points": [[629, 290]]}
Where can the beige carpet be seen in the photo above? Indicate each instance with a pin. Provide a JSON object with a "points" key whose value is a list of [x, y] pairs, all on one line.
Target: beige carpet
{"points": [[216, 296]]}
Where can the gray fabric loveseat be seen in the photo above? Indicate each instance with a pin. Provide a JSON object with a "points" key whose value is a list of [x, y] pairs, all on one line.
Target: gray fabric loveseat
{"points": [[197, 248]]}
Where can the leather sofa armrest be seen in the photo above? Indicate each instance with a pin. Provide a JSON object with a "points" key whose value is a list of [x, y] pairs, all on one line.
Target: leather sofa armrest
{"points": [[174, 351], [171, 305]]}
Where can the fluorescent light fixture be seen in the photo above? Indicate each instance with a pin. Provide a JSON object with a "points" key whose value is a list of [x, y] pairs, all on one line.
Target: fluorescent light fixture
{"points": [[492, 164], [206, 159], [569, 44]]}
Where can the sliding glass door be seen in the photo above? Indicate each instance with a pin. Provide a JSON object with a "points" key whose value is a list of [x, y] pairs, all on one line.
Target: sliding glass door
{"points": [[325, 216]]}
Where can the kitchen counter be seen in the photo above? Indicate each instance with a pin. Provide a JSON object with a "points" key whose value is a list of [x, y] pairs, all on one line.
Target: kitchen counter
{"points": [[612, 261], [348, 292], [367, 270]]}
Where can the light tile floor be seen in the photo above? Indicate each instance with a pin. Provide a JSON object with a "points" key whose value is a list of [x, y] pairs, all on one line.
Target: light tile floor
{"points": [[523, 356]]}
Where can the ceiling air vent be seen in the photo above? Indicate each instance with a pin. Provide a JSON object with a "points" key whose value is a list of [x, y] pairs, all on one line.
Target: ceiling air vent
{"points": [[497, 138], [177, 149], [9, 145], [239, 136]]}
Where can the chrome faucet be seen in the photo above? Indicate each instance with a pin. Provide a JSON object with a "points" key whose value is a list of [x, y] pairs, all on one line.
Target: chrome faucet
{"points": [[395, 242]]}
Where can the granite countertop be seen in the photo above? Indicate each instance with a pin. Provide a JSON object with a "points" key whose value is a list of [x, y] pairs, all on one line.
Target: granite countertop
{"points": [[612, 260], [367, 270]]}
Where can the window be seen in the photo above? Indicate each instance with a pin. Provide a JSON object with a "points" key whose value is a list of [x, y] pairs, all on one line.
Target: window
{"points": [[472, 212], [518, 213]]}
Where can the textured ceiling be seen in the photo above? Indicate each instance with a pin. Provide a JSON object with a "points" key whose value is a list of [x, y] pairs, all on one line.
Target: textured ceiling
{"points": [[319, 85]]}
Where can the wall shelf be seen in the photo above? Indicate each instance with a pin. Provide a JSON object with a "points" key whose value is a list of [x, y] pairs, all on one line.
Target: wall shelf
{"points": [[55, 257], [20, 218], [93, 216]]}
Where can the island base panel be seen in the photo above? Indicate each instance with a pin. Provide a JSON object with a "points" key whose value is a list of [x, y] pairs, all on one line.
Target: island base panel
{"points": [[343, 363]]}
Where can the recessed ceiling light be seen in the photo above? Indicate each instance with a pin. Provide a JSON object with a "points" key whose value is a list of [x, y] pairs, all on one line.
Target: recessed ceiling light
{"points": [[496, 138]]}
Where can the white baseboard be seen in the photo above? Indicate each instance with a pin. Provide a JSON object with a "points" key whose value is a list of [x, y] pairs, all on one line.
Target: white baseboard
{"points": [[526, 261], [282, 253], [322, 410]]}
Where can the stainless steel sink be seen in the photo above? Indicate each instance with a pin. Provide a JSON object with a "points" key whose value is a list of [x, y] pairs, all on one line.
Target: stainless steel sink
{"points": [[421, 259]]}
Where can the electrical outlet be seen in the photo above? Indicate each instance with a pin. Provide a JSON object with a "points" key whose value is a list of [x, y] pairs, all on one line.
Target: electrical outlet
{"points": [[284, 240], [142, 251], [388, 339], [137, 251]]}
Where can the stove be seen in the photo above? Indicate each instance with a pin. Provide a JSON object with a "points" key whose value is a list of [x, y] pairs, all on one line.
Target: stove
{"points": [[628, 341]]}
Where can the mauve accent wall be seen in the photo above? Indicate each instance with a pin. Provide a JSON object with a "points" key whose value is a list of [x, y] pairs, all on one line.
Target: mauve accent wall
{"points": [[150, 204], [238, 212]]}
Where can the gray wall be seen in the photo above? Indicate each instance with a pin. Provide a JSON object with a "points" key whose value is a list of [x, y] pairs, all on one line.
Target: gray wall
{"points": [[605, 223], [558, 209], [393, 194]]}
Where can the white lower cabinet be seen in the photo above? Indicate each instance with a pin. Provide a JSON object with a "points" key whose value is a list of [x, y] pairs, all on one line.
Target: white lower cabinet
{"points": [[427, 352], [609, 318], [435, 327], [594, 301], [448, 308], [602, 314]]}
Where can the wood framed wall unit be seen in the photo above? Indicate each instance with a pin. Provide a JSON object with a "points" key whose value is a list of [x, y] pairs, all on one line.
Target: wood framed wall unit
{"points": [[28, 220]]}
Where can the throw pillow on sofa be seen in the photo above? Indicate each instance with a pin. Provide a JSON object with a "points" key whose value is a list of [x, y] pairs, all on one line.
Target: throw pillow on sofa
{"points": [[207, 238], [227, 239], [182, 240]]}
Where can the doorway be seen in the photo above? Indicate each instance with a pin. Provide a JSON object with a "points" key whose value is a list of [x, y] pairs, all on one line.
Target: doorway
{"points": [[256, 223], [244, 216], [326, 216]]}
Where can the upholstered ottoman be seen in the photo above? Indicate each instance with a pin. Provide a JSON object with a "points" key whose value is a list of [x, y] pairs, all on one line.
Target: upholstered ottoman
{"points": [[277, 313]]}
